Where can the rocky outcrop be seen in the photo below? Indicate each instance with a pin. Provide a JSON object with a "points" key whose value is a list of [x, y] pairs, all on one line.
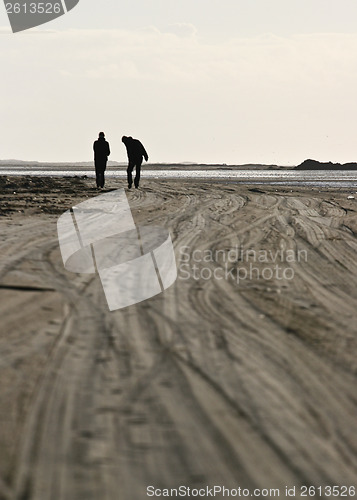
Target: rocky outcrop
{"points": [[317, 165]]}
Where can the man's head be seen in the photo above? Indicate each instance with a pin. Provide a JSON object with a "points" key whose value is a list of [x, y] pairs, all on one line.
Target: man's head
{"points": [[126, 139], [101, 135]]}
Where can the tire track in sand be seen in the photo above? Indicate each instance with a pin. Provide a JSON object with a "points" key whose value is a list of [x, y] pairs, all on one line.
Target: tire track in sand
{"points": [[214, 381]]}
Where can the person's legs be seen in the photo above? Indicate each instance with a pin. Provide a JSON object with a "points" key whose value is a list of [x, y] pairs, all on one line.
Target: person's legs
{"points": [[97, 173], [100, 166], [129, 171], [102, 180], [137, 172]]}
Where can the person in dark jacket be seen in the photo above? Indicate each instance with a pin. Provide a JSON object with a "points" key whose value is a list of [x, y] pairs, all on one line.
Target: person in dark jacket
{"points": [[101, 152], [136, 152]]}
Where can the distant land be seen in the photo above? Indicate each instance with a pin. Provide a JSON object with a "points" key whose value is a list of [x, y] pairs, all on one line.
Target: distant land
{"points": [[36, 165], [114, 165], [317, 165], [39, 164]]}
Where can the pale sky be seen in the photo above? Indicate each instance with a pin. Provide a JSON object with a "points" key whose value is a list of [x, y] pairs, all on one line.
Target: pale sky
{"points": [[211, 81]]}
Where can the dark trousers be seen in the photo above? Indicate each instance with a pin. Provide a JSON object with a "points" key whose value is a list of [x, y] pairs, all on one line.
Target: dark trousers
{"points": [[137, 164], [100, 166]]}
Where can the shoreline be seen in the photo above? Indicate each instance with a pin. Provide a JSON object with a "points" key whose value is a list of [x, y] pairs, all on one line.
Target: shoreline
{"points": [[69, 189], [319, 179]]}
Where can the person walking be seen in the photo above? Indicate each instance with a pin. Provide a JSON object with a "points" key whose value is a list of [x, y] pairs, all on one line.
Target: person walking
{"points": [[101, 152], [136, 152]]}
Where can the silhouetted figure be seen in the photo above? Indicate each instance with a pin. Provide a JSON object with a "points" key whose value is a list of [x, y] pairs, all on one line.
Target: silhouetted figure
{"points": [[136, 152], [101, 153]]}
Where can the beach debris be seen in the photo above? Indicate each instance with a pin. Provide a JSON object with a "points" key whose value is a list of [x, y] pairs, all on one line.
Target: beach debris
{"points": [[350, 197]]}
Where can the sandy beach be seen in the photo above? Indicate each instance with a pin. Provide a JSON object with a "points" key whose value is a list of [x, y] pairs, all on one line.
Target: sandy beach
{"points": [[241, 374]]}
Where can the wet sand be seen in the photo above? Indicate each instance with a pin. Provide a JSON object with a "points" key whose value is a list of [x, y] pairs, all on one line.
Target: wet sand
{"points": [[215, 381]]}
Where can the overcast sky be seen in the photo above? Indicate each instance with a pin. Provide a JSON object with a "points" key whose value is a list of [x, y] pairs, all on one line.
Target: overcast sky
{"points": [[213, 81]]}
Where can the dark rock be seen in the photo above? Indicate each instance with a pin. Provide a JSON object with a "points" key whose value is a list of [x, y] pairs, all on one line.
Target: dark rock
{"points": [[317, 165]]}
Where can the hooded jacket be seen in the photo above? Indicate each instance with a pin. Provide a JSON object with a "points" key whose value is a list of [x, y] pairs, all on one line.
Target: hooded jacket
{"points": [[135, 149], [101, 149]]}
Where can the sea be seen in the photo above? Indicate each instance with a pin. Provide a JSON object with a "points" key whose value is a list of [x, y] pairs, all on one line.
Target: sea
{"points": [[318, 178]]}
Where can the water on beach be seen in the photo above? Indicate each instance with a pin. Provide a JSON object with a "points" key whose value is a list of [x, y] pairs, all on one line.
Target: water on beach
{"points": [[323, 178]]}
